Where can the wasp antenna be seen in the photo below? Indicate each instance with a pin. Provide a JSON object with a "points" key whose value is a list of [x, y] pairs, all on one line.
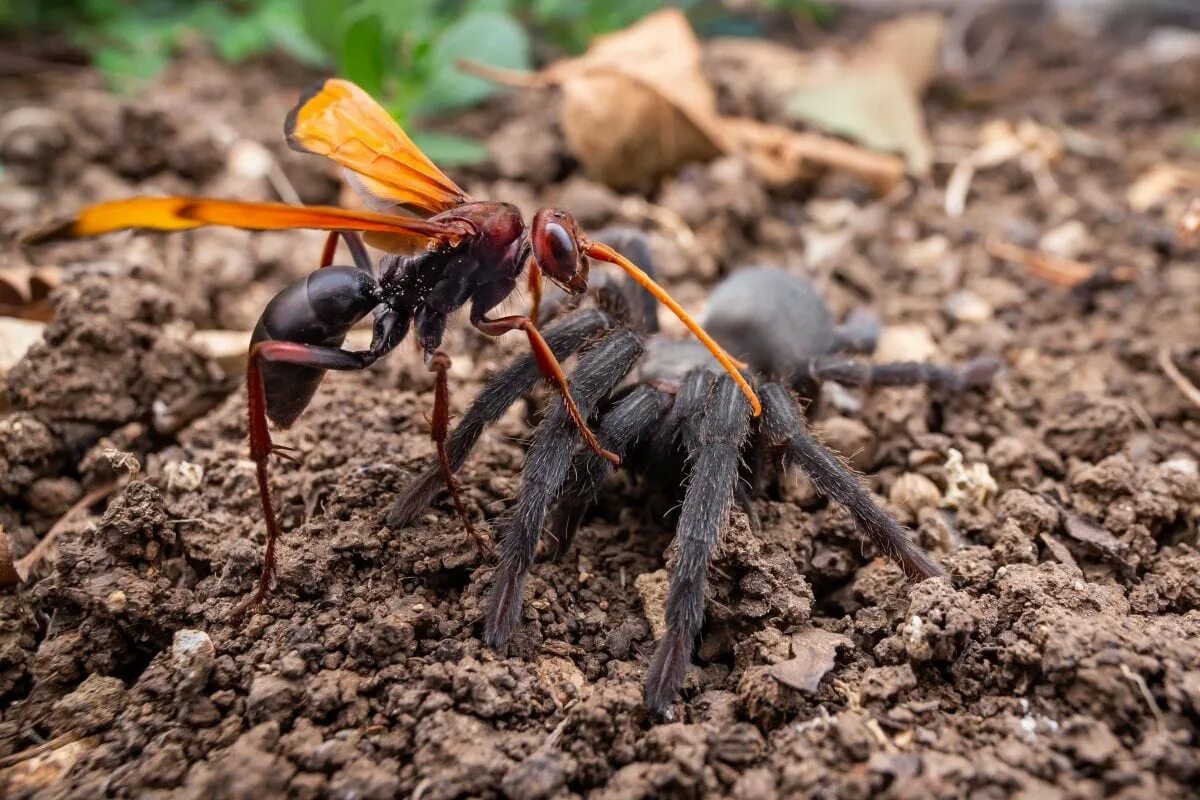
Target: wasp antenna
{"points": [[603, 252]]}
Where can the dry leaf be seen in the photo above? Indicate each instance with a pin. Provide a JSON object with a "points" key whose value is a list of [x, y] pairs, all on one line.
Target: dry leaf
{"points": [[1088, 533], [911, 44], [25, 291], [638, 105], [872, 106], [874, 96], [814, 653]]}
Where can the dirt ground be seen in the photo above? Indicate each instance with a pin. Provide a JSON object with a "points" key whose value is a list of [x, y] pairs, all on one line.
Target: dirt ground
{"points": [[1061, 658]]}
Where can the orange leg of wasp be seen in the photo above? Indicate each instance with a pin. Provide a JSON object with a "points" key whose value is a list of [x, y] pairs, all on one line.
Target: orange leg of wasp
{"points": [[331, 242], [354, 243], [439, 365], [553, 371], [261, 447], [533, 273], [603, 252]]}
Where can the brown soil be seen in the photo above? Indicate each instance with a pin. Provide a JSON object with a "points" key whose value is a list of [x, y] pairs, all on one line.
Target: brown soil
{"points": [[1062, 658]]}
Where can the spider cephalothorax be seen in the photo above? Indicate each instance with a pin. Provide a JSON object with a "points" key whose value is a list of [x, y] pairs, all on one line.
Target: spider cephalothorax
{"points": [[656, 400]]}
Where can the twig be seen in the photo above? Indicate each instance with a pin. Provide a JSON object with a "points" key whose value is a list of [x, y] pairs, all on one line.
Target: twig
{"points": [[31, 559], [784, 151], [38, 749], [1140, 682], [1063, 272], [282, 186], [1178, 378], [516, 78]]}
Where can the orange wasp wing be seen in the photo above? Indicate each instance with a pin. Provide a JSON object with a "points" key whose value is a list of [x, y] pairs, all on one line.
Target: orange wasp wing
{"points": [[339, 120], [401, 234]]}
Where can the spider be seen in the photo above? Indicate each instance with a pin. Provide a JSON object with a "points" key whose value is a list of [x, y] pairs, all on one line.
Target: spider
{"points": [[661, 401]]}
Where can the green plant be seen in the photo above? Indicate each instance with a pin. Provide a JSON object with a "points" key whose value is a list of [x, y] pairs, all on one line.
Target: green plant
{"points": [[130, 42], [401, 51], [404, 53]]}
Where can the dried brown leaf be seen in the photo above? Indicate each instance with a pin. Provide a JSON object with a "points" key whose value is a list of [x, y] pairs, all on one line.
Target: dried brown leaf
{"points": [[873, 95], [814, 653], [638, 105], [911, 43], [25, 290], [1090, 534]]}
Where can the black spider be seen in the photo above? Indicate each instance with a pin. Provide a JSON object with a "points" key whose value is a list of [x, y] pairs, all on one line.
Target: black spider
{"points": [[680, 408]]}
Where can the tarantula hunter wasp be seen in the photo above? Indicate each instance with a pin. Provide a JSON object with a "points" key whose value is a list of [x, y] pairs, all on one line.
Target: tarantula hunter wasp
{"points": [[457, 251], [659, 403]]}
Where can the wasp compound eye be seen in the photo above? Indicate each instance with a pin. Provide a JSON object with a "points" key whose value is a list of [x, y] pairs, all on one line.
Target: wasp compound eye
{"points": [[556, 249], [562, 246]]}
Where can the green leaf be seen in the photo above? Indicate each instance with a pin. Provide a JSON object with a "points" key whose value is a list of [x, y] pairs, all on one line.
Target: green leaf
{"points": [[487, 37], [322, 21], [450, 150], [127, 70], [283, 21], [241, 39], [361, 57]]}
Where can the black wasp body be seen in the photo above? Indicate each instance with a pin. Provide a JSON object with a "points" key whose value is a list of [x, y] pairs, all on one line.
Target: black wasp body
{"points": [[417, 291]]}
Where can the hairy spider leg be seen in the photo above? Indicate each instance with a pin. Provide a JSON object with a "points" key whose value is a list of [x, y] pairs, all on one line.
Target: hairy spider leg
{"points": [[621, 428], [858, 334], [546, 465], [784, 427], [564, 337], [603, 252], [714, 445], [849, 372], [550, 368]]}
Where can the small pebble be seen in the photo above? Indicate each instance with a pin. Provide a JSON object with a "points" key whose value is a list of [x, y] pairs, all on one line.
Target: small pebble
{"points": [[1069, 240], [183, 476], [116, 602], [912, 492], [966, 306]]}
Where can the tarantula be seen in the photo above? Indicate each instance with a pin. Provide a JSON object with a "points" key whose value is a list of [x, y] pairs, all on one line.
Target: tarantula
{"points": [[678, 407]]}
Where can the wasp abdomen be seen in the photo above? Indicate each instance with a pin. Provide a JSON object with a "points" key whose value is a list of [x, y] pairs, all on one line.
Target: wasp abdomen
{"points": [[319, 309]]}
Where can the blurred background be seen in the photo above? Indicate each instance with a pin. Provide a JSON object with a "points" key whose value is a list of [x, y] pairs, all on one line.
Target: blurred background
{"points": [[1013, 179]]}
